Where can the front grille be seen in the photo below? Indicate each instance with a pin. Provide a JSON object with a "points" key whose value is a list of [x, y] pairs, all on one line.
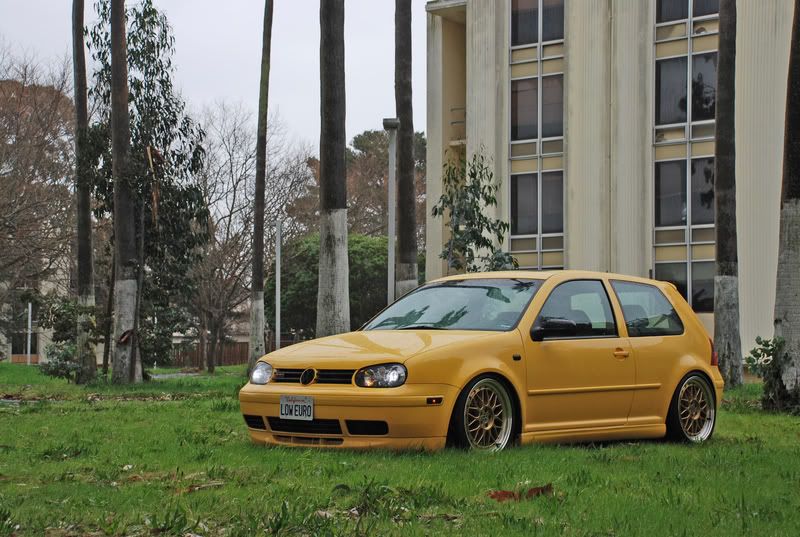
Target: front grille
{"points": [[287, 375], [279, 425], [335, 376], [254, 422], [367, 427], [324, 376]]}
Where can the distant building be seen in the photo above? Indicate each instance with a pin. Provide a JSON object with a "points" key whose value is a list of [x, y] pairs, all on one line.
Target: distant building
{"points": [[599, 120]]}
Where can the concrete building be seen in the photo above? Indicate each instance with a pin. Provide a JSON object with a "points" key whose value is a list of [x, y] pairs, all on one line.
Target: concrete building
{"points": [[598, 117]]}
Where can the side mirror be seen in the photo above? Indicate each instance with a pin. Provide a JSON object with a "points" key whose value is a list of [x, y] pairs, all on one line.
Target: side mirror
{"points": [[556, 328]]}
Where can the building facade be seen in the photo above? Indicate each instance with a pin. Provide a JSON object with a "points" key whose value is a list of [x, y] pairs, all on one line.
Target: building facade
{"points": [[598, 118]]}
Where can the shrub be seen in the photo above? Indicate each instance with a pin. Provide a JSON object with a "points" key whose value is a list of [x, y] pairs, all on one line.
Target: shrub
{"points": [[61, 361]]}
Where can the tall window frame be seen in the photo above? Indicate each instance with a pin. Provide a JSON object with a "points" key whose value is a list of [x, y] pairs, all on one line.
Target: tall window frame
{"points": [[687, 248], [542, 61]]}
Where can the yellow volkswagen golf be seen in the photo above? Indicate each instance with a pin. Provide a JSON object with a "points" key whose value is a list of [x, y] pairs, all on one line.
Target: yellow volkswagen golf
{"points": [[485, 360]]}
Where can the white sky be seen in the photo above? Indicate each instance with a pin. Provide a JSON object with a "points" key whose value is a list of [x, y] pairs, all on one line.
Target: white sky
{"points": [[218, 54]]}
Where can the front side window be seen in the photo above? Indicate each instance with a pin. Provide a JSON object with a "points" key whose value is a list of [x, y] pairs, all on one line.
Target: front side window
{"points": [[473, 304], [584, 302], [646, 310]]}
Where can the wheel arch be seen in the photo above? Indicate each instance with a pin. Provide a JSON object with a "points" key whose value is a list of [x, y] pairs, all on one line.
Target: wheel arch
{"points": [[512, 391]]}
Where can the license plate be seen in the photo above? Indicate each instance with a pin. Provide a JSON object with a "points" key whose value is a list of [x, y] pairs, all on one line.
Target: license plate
{"points": [[297, 407]]}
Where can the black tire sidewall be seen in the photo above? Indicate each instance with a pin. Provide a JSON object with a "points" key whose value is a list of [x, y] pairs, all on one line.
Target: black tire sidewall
{"points": [[457, 435]]}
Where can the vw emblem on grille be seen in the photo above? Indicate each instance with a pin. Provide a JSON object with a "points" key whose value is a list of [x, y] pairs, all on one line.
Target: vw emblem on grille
{"points": [[308, 376]]}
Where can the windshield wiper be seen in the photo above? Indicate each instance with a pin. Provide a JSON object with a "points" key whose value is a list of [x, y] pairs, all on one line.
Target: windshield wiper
{"points": [[421, 327]]}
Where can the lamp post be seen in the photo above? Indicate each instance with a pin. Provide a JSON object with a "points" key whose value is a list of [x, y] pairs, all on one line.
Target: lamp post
{"points": [[391, 125]]}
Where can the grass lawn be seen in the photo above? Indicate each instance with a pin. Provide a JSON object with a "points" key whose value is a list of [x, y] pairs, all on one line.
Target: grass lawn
{"points": [[172, 457]]}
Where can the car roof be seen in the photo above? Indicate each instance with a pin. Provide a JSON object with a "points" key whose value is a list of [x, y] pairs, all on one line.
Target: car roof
{"points": [[545, 274]]}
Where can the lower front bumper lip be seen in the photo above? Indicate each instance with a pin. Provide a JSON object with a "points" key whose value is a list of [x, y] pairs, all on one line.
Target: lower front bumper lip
{"points": [[344, 400]]}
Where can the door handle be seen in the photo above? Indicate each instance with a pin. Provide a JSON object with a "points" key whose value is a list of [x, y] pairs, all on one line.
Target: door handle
{"points": [[621, 353]]}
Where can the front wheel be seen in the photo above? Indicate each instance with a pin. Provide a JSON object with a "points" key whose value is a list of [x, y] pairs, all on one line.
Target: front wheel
{"points": [[692, 412], [483, 418]]}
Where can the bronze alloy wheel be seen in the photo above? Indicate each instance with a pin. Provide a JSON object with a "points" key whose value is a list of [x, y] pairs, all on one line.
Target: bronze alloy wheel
{"points": [[488, 415], [696, 411]]}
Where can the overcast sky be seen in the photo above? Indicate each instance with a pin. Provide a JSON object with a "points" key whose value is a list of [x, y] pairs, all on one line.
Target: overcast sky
{"points": [[218, 54]]}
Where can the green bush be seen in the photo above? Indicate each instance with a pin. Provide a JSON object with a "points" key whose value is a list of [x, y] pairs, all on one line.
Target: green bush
{"points": [[61, 361]]}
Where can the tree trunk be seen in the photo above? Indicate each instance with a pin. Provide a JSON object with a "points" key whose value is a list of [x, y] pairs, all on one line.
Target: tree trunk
{"points": [[109, 311], [406, 193], [333, 297], [125, 287], [213, 350], [202, 342], [257, 297], [787, 296], [727, 338], [84, 346]]}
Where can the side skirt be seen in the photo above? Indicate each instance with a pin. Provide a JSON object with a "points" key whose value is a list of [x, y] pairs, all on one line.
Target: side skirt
{"points": [[598, 434]]}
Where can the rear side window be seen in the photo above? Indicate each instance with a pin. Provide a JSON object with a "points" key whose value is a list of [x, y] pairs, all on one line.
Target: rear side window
{"points": [[583, 301], [646, 310]]}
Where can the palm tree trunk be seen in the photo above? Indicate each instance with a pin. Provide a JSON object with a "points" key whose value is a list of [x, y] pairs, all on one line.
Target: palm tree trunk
{"points": [[406, 193], [108, 324], [727, 338], [257, 296], [84, 346], [125, 287], [787, 296], [333, 297]]}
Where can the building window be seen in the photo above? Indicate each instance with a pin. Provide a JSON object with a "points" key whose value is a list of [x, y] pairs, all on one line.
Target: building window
{"points": [[524, 109], [536, 124], [19, 343], [683, 173]]}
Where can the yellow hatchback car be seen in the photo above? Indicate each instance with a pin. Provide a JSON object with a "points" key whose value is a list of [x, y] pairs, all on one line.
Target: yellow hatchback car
{"points": [[484, 360]]}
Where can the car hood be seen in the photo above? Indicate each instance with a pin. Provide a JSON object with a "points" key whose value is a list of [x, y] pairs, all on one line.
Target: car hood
{"points": [[358, 349]]}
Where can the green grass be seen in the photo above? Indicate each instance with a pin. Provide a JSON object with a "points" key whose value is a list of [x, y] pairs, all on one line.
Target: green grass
{"points": [[75, 465]]}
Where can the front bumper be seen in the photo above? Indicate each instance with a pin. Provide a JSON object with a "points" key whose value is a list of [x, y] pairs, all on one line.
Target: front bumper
{"points": [[412, 419]]}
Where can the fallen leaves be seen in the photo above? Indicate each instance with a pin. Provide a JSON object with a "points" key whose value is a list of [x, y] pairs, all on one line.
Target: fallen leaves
{"points": [[519, 495]]}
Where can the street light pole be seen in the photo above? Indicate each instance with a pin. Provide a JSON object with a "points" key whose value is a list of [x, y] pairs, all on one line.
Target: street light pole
{"points": [[391, 125], [30, 327], [278, 284]]}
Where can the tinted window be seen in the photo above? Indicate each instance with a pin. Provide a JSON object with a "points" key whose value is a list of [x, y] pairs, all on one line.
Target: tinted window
{"points": [[702, 191], [672, 10], [674, 273], [646, 310], [671, 91], [704, 86], [485, 304], [524, 99], [705, 7], [703, 286], [525, 22], [585, 303], [552, 202], [670, 195], [524, 217], [552, 20], [552, 106]]}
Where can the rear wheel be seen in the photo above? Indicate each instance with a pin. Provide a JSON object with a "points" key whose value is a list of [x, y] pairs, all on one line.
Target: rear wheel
{"points": [[692, 413], [483, 418]]}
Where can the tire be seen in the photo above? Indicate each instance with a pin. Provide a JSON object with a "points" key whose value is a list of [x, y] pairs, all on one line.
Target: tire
{"points": [[692, 414], [484, 417]]}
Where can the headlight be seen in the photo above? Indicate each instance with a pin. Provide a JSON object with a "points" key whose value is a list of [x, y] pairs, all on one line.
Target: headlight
{"points": [[261, 374], [381, 376]]}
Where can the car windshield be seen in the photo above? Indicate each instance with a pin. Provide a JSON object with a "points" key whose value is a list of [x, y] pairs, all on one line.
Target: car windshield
{"points": [[473, 304]]}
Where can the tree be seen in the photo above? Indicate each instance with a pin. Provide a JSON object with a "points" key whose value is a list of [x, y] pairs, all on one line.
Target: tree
{"points": [[782, 390], [727, 339], [36, 159], [124, 368], [299, 281], [468, 189], [168, 214], [83, 187], [333, 306], [257, 296], [406, 193]]}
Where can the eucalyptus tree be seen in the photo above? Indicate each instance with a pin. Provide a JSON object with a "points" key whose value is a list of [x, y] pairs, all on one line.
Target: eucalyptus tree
{"points": [[727, 338], [126, 285], [333, 296], [257, 294], [785, 389], [406, 191]]}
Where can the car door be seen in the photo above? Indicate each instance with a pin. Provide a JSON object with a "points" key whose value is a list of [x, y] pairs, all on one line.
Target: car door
{"points": [[583, 379]]}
